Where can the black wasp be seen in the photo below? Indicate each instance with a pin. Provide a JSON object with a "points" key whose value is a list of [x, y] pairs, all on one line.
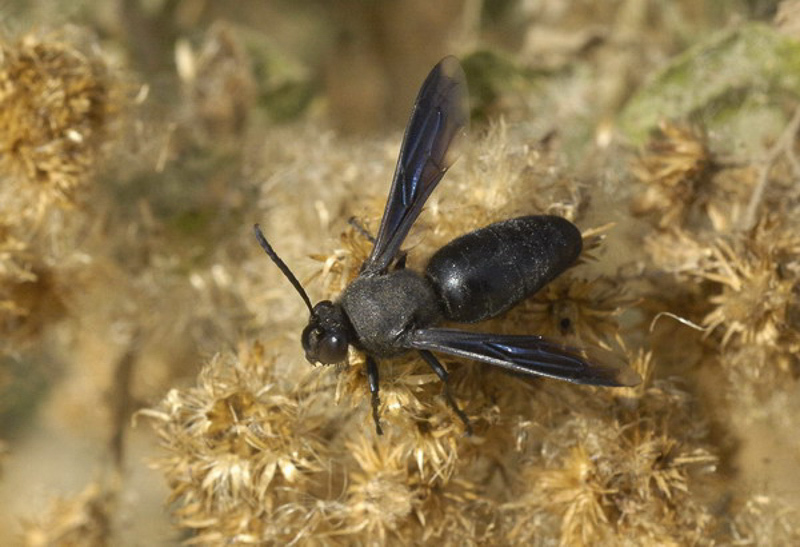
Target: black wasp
{"points": [[389, 310]]}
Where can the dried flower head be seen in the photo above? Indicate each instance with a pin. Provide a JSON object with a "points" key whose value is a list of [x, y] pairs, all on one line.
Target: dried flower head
{"points": [[619, 482], [389, 499], [601, 471], [56, 99], [379, 495], [671, 167], [454, 512], [578, 489], [240, 446], [758, 273]]}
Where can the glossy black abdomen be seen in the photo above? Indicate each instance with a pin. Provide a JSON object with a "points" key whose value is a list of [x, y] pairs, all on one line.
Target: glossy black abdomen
{"points": [[484, 273]]}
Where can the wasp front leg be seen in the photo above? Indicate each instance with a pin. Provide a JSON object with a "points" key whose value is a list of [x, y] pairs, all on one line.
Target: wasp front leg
{"points": [[373, 380]]}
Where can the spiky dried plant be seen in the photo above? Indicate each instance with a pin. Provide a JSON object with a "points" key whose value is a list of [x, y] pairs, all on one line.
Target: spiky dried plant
{"points": [[671, 167], [241, 446], [392, 500], [757, 273], [379, 494], [57, 97], [619, 476]]}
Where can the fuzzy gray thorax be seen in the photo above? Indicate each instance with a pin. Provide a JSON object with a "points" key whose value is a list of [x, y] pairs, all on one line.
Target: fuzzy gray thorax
{"points": [[385, 308]]}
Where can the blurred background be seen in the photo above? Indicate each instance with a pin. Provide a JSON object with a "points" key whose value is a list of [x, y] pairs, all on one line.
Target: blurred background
{"points": [[142, 138]]}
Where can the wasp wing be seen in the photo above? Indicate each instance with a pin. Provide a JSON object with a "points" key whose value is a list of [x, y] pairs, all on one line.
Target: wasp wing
{"points": [[440, 114], [530, 355]]}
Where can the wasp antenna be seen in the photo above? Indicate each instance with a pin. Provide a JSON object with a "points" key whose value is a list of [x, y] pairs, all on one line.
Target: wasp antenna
{"points": [[282, 266]]}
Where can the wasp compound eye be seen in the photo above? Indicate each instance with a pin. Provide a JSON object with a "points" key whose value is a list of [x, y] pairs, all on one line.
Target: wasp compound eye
{"points": [[326, 347], [332, 348]]}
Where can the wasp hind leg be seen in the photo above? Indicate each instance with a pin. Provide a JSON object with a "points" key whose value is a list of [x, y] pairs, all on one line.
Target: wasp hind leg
{"points": [[441, 372]]}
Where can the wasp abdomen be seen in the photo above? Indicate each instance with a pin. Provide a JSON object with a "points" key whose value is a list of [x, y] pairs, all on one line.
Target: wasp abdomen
{"points": [[484, 273]]}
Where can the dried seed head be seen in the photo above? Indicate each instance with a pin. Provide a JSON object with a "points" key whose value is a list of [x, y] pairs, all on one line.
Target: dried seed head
{"points": [[758, 273], [379, 495], [670, 168], [56, 100], [616, 485], [578, 488], [238, 445]]}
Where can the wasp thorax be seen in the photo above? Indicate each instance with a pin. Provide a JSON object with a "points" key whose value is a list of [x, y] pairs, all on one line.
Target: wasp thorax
{"points": [[325, 338]]}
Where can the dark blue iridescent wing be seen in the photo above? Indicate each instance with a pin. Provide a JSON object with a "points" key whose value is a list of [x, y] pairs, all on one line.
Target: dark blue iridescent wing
{"points": [[439, 116], [530, 355]]}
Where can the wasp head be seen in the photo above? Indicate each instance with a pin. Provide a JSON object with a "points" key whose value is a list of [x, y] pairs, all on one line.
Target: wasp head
{"points": [[325, 338]]}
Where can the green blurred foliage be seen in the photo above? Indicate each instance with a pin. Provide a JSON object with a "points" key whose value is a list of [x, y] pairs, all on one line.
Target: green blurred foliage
{"points": [[738, 77]]}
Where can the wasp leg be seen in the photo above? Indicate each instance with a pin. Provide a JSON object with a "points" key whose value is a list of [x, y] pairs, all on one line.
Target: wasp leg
{"points": [[440, 371], [353, 221], [372, 378], [399, 264]]}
